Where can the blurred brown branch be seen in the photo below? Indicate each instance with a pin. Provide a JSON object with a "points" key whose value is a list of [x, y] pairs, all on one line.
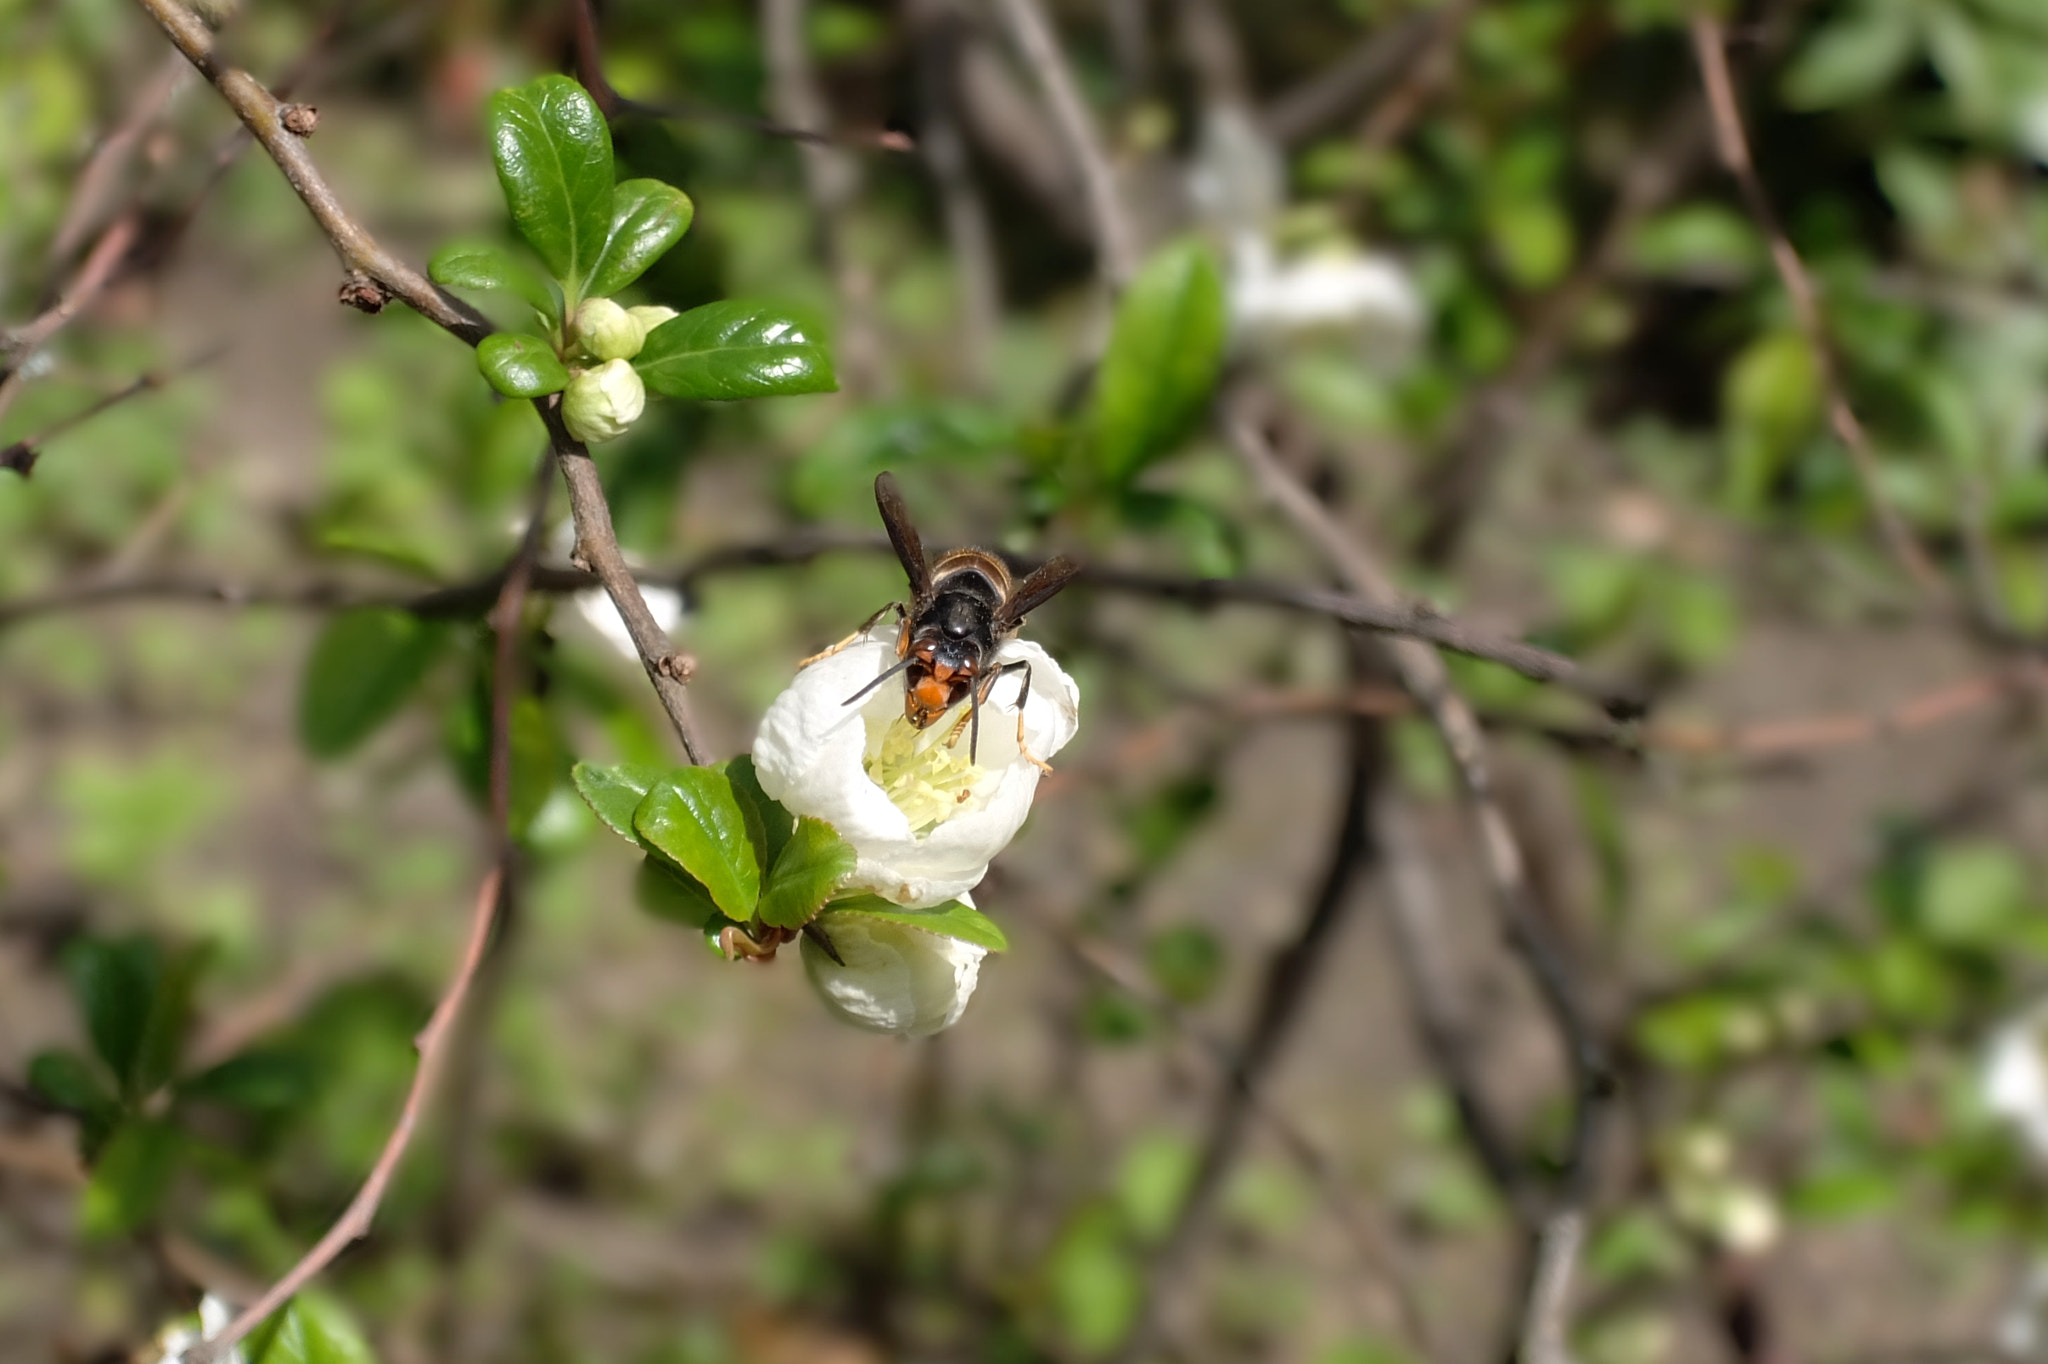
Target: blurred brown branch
{"points": [[1732, 144]]}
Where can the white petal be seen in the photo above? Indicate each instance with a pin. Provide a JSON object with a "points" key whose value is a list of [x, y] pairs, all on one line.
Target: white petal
{"points": [[896, 979], [810, 748], [594, 604]]}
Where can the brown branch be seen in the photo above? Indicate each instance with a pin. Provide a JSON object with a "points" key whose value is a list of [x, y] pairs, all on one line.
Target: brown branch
{"points": [[1732, 144], [1289, 983], [1116, 243], [1422, 673], [1399, 1304], [355, 1219], [21, 455], [19, 346], [832, 181], [374, 274]]}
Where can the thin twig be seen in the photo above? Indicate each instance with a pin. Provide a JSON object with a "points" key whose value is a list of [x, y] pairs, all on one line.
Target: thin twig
{"points": [[373, 275], [1288, 985], [1732, 143], [1423, 675], [1367, 1241], [21, 455], [1544, 1319], [19, 346], [1116, 244], [355, 1220], [832, 181]]}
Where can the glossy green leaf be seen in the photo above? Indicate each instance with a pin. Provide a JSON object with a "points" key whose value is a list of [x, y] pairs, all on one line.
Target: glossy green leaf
{"points": [[168, 1021], [129, 1180], [309, 1329], [949, 920], [114, 981], [693, 819], [812, 864], [1165, 351], [68, 1080], [676, 896], [480, 265], [777, 823], [267, 1081], [733, 349], [613, 793], [363, 667], [521, 366], [554, 158], [647, 218]]}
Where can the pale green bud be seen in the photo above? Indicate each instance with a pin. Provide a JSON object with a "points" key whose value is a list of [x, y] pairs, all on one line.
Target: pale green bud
{"points": [[650, 316], [607, 331], [601, 403]]}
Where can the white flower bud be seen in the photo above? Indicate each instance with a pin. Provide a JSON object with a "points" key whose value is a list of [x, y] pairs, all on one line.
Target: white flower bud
{"points": [[895, 979], [924, 820], [650, 316], [601, 403], [608, 332]]}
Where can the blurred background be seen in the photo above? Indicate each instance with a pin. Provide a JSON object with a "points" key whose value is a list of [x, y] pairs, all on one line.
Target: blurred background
{"points": [[1493, 297]]}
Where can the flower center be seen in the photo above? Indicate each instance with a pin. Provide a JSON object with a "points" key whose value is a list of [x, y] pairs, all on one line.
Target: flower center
{"points": [[927, 779]]}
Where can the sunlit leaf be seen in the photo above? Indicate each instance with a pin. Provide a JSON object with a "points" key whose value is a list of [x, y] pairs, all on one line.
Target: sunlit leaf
{"points": [[363, 667], [1164, 353], [693, 819], [554, 158], [734, 349]]}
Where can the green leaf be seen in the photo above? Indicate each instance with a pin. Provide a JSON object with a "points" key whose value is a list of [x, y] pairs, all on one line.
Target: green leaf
{"points": [[129, 1180], [169, 1019], [114, 981], [309, 1330], [811, 865], [68, 1080], [777, 823], [648, 217], [521, 366], [693, 818], [479, 265], [554, 158], [266, 1081], [1164, 353], [1186, 961], [949, 920], [676, 896], [733, 349], [615, 792], [363, 667]]}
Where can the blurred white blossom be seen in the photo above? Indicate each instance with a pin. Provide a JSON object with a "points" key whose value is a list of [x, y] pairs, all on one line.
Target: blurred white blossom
{"points": [[174, 1340], [1337, 291], [924, 820], [890, 977], [2015, 1077]]}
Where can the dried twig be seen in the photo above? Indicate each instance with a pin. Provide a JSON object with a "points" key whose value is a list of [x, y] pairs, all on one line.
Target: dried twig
{"points": [[1732, 143], [1116, 244]]}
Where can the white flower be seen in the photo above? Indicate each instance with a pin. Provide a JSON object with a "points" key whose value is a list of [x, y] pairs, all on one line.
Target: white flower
{"points": [[895, 979], [608, 332], [594, 604], [601, 403], [1340, 291], [174, 1340], [923, 819], [2015, 1077]]}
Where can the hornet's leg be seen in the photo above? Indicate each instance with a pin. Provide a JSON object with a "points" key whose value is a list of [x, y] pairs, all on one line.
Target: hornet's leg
{"points": [[861, 633], [1023, 695]]}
